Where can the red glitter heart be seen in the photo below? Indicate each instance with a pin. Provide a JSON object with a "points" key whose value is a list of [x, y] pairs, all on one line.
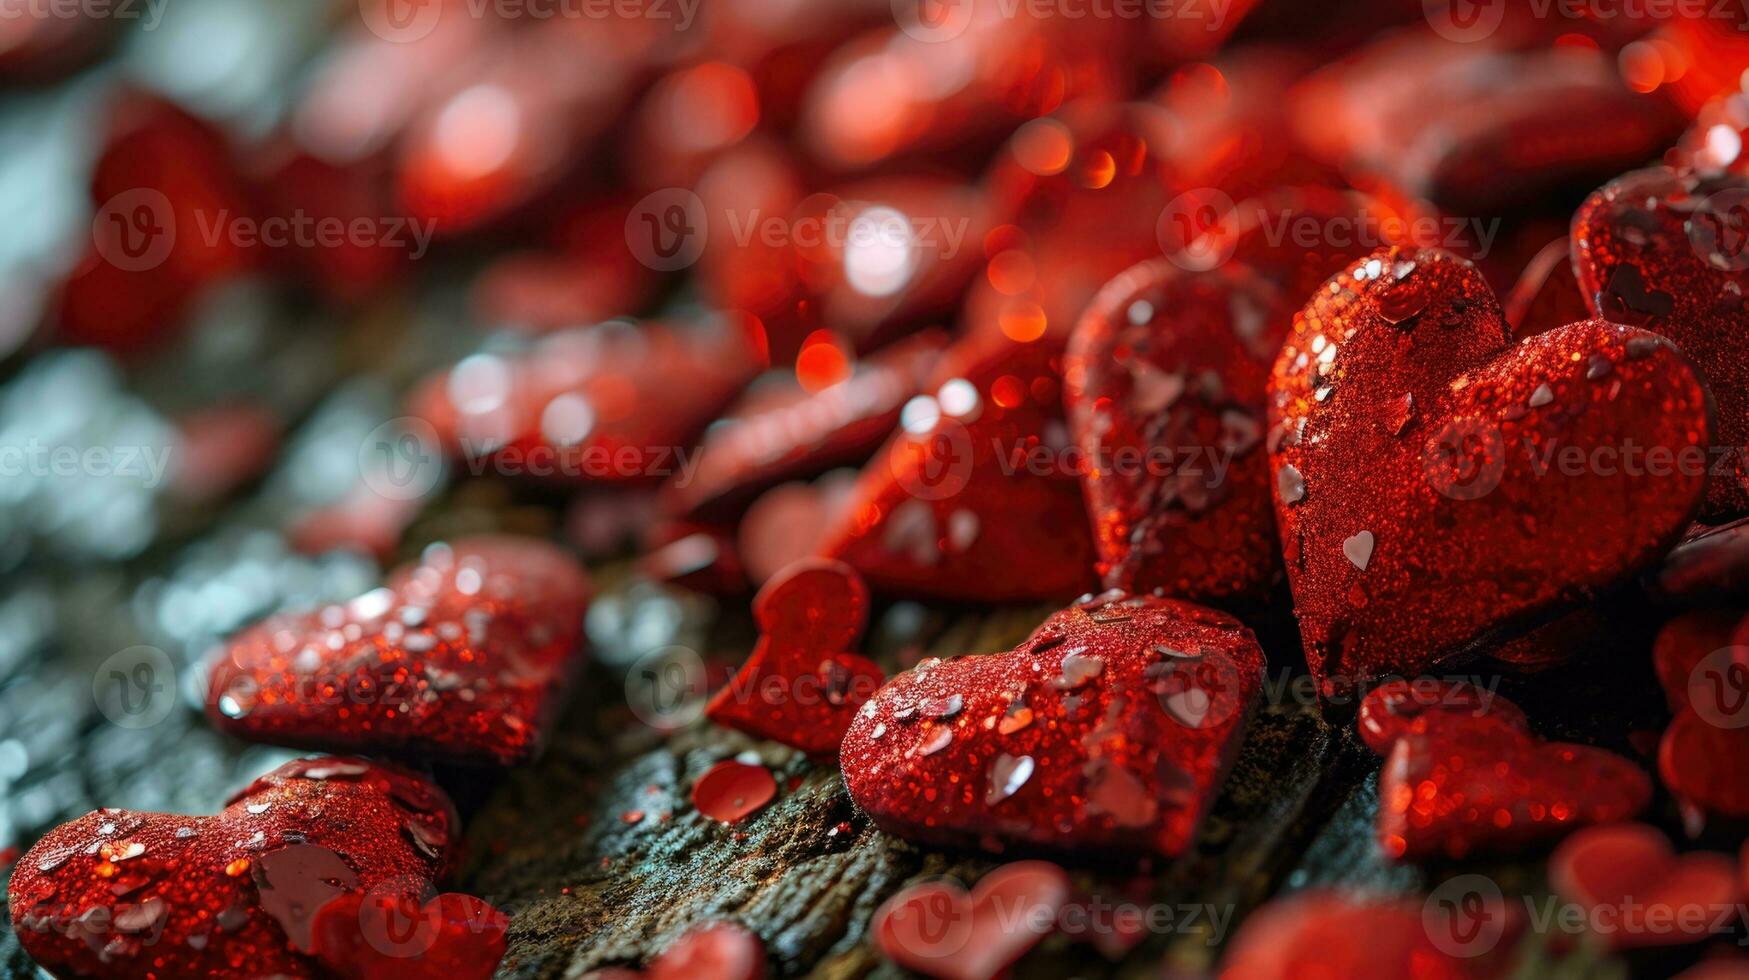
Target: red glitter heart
{"points": [[389, 935], [143, 895], [463, 656], [1426, 490], [801, 686], [937, 929], [1487, 786], [1610, 871], [1665, 251], [1165, 386], [1426, 706], [1107, 731], [1329, 934], [960, 503]]}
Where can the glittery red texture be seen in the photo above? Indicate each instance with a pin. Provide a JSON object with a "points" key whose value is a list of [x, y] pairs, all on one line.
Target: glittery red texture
{"points": [[771, 438], [1424, 706], [971, 499], [121, 894], [1663, 251], [1165, 387], [463, 657], [388, 936], [1484, 783], [1623, 866], [801, 686], [614, 402], [1330, 934], [1107, 731], [1704, 756], [1425, 482]]}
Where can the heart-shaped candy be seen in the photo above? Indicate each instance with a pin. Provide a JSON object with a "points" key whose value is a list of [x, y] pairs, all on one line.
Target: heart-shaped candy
{"points": [[1165, 386], [1483, 785], [1438, 487], [1107, 731], [143, 895], [463, 656], [1690, 639], [1666, 251], [1401, 707], [973, 498], [1630, 882], [389, 935], [938, 929], [801, 686]]}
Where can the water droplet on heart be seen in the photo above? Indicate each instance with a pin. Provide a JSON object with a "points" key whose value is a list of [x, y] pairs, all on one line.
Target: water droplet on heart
{"points": [[1543, 395], [1078, 669], [941, 709], [1598, 367], [143, 917], [429, 840], [1291, 484], [1017, 717], [1007, 775], [259, 808], [880, 729], [936, 740], [54, 859], [238, 699], [184, 833]]}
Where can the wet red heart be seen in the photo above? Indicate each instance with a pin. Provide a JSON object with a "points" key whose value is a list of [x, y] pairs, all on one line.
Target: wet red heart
{"points": [[388, 935], [122, 894], [802, 684], [1486, 786], [1326, 933], [974, 499], [1401, 707], [1438, 487], [616, 402], [1665, 251], [1640, 891], [463, 656], [936, 928], [1107, 731], [1165, 387]]}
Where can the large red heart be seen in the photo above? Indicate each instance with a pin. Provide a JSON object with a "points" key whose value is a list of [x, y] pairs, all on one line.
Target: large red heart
{"points": [[389, 935], [1665, 251], [1490, 786], [962, 501], [144, 895], [1107, 731], [1438, 487], [801, 686], [1165, 386], [1638, 890], [463, 656], [936, 928], [713, 951]]}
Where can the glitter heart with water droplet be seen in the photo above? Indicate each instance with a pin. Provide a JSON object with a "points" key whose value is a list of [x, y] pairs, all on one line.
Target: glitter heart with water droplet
{"points": [[1525, 481], [1107, 731], [463, 656], [123, 894]]}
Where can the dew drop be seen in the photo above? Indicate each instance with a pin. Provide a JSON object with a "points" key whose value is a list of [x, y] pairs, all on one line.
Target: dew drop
{"points": [[1008, 774]]}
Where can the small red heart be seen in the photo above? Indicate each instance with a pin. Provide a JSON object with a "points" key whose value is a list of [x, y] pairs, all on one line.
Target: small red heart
{"points": [[1401, 707], [1165, 386], [714, 951], [387, 934], [1612, 871], [801, 685], [1329, 934], [1688, 640], [937, 929], [960, 503], [1706, 765], [1426, 486], [1486, 786], [1665, 251], [144, 895], [1109, 730], [781, 432], [463, 656], [1704, 754]]}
